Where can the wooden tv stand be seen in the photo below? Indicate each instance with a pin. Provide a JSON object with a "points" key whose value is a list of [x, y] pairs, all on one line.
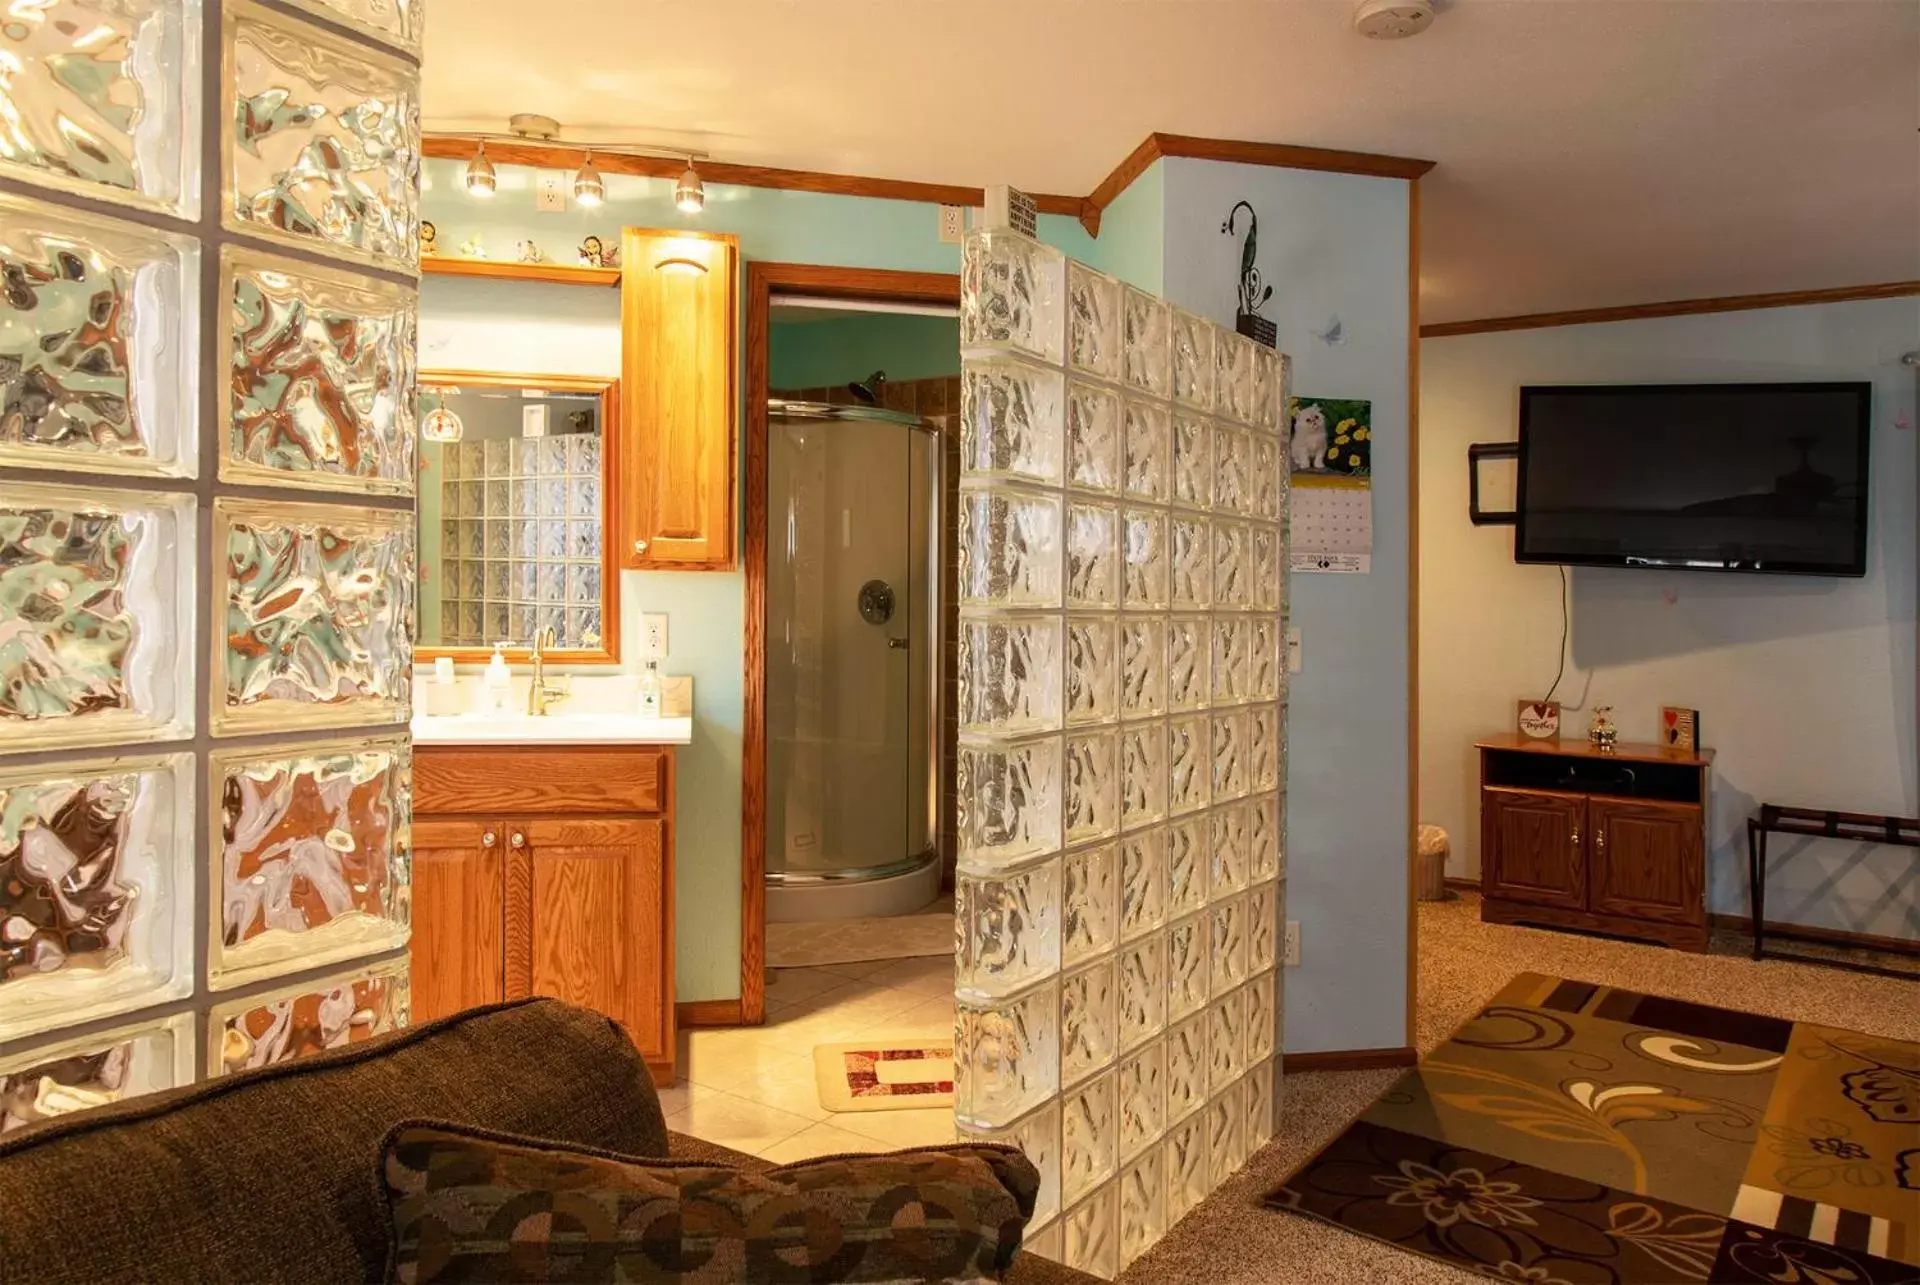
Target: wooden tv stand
{"points": [[1608, 842]]}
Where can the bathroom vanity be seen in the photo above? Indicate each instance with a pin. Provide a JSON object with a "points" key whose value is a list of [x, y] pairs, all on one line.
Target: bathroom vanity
{"points": [[544, 866]]}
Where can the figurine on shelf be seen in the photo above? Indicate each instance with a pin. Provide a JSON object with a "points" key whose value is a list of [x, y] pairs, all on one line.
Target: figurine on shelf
{"points": [[591, 253], [530, 253], [472, 249], [1600, 729], [429, 239]]}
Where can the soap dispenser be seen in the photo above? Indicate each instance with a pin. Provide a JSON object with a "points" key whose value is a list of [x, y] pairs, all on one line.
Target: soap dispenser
{"points": [[650, 691], [499, 679]]}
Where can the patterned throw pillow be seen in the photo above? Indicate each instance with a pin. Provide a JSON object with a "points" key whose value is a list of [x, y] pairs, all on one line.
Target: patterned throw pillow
{"points": [[467, 1205]]}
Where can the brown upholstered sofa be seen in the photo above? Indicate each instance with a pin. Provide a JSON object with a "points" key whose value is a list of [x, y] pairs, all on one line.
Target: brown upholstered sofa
{"points": [[270, 1175]]}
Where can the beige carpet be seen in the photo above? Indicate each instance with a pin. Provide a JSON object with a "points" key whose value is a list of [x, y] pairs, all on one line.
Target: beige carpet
{"points": [[1231, 1239]]}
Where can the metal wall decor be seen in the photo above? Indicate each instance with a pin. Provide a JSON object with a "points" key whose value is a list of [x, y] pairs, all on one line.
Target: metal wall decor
{"points": [[1253, 294]]}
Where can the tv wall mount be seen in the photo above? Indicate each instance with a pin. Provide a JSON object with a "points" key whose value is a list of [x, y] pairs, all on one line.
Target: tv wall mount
{"points": [[1488, 451]]}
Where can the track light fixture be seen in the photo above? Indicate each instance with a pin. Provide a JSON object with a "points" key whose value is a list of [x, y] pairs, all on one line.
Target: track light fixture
{"points": [[481, 180], [589, 189], [690, 194]]}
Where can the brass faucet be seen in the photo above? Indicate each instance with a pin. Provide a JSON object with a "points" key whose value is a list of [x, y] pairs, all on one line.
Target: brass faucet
{"points": [[538, 691]]}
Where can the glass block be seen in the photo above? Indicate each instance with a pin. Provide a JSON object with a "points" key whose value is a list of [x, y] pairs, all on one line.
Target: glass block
{"points": [[1226, 1144], [1232, 754], [320, 369], [549, 452], [1093, 670], [1189, 764], [102, 99], [312, 1017], [1187, 861], [1089, 1034], [1147, 566], [1227, 923], [1232, 566], [1092, 786], [1093, 555], [1189, 1173], [1186, 1067], [496, 576], [1192, 460], [1141, 1081], [1009, 800], [583, 539], [1266, 389], [1095, 342], [1009, 673], [1233, 480], [1263, 838], [1259, 1018], [96, 588], [94, 1070], [1237, 377], [1148, 342], [1143, 1205], [1258, 1103], [1264, 660], [583, 584], [96, 890], [551, 500], [497, 503], [1188, 975], [1008, 929], [1143, 673], [583, 497], [98, 343], [1192, 566], [1143, 881], [1038, 1137], [1143, 773], [1232, 660], [1049, 1242], [318, 617], [1189, 661], [1094, 435], [1142, 1011], [1226, 1044], [550, 540], [314, 844], [1010, 547], [397, 22], [1090, 904], [1227, 868], [1263, 747], [1012, 294], [1193, 375], [1087, 1127], [1092, 1233], [1264, 483], [1149, 450], [319, 140], [1006, 1056], [1267, 568]]}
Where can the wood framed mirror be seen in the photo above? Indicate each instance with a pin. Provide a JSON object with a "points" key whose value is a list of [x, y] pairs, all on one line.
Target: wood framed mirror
{"points": [[517, 516]]}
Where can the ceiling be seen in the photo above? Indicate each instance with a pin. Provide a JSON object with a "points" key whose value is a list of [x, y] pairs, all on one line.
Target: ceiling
{"points": [[1591, 152]]}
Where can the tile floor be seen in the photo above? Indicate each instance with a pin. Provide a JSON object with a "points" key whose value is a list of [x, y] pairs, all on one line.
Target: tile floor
{"points": [[752, 1088]]}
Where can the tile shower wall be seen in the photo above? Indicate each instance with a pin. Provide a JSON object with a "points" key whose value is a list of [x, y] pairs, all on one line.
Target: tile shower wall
{"points": [[1121, 710], [206, 532]]}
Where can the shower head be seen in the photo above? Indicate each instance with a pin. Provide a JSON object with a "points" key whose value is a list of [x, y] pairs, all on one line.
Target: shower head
{"points": [[869, 392]]}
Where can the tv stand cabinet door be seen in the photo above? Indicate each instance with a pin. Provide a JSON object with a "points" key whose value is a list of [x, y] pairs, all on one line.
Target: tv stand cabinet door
{"points": [[1648, 860], [1533, 847]]}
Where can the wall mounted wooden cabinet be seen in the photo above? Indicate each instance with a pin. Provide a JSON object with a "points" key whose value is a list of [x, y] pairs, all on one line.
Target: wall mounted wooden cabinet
{"points": [[678, 297], [546, 872]]}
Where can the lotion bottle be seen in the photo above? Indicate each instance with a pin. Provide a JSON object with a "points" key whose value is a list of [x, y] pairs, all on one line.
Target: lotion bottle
{"points": [[499, 679]]}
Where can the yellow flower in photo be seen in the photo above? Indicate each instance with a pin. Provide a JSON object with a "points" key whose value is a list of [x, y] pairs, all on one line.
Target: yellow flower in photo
{"points": [[1333, 452], [1362, 434], [1353, 461], [1340, 440], [1343, 425]]}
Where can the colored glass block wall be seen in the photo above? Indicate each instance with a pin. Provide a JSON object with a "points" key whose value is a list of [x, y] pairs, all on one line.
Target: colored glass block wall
{"points": [[207, 235], [1122, 739]]}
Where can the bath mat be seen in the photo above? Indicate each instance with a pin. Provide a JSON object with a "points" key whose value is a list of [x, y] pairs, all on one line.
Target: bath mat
{"points": [[853, 941], [907, 1075], [1580, 1133]]}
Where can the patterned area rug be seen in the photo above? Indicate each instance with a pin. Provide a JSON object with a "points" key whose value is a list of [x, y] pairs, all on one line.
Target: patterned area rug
{"points": [[1574, 1134], [908, 1076]]}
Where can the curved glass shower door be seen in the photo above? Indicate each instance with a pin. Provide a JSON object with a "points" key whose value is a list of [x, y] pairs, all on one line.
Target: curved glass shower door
{"points": [[851, 551]]}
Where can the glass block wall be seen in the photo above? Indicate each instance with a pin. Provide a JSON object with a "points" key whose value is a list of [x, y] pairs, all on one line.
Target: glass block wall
{"points": [[208, 249], [1122, 735]]}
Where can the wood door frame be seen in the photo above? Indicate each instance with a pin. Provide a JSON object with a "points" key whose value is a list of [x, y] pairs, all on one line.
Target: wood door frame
{"points": [[764, 280]]}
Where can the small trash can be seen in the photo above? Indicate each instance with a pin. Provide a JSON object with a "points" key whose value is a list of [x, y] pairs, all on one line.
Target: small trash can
{"points": [[1430, 858]]}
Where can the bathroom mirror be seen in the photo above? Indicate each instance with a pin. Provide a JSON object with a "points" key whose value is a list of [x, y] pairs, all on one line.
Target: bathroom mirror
{"points": [[516, 474]]}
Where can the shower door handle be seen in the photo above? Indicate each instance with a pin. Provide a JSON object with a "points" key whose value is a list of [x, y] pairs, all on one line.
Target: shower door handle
{"points": [[899, 644]]}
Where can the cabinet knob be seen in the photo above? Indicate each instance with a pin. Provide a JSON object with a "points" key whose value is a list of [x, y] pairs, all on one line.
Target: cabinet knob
{"points": [[488, 839], [639, 546], [1600, 840], [518, 840], [1576, 836]]}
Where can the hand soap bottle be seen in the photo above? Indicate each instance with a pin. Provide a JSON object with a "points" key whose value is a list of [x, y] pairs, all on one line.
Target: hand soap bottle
{"points": [[499, 680], [650, 691]]}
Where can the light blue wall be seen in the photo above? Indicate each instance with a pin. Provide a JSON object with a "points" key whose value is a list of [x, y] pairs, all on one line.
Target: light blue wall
{"points": [[1332, 244], [1132, 241], [1806, 685], [817, 353]]}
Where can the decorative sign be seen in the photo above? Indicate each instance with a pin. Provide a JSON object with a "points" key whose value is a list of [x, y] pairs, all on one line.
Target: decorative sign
{"points": [[1539, 720], [1253, 295], [1679, 728]]}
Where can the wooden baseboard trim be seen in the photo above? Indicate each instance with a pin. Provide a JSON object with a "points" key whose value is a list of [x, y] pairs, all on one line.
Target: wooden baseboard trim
{"points": [[1348, 1060], [708, 1012], [1463, 884], [1743, 924], [1671, 308]]}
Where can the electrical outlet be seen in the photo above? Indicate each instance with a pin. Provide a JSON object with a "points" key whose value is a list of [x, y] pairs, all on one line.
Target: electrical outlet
{"points": [[1293, 650], [653, 636], [953, 223], [1292, 957], [550, 192]]}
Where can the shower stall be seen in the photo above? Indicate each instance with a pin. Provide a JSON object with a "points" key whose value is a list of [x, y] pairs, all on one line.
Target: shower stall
{"points": [[852, 661]]}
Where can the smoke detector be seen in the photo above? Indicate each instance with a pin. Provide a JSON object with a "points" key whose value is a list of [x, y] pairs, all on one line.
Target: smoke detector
{"points": [[1392, 19]]}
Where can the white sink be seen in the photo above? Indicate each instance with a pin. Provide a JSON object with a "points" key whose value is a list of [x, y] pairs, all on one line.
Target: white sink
{"points": [[550, 729]]}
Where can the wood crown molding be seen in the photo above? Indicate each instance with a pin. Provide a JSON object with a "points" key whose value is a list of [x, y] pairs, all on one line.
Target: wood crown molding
{"points": [[1671, 308], [1348, 1060]]}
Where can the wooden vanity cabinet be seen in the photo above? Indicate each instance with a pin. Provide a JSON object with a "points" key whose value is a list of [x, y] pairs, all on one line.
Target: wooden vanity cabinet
{"points": [[546, 871], [678, 303]]}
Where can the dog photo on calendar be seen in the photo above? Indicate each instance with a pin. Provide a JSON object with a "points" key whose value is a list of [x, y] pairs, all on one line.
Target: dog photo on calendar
{"points": [[1330, 435]]}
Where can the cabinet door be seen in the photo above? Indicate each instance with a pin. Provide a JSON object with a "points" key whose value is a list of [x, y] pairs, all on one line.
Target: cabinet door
{"points": [[1531, 847], [677, 292], [459, 916], [1649, 860], [587, 921]]}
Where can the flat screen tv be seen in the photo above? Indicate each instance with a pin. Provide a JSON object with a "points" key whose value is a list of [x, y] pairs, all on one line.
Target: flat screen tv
{"points": [[1722, 477]]}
